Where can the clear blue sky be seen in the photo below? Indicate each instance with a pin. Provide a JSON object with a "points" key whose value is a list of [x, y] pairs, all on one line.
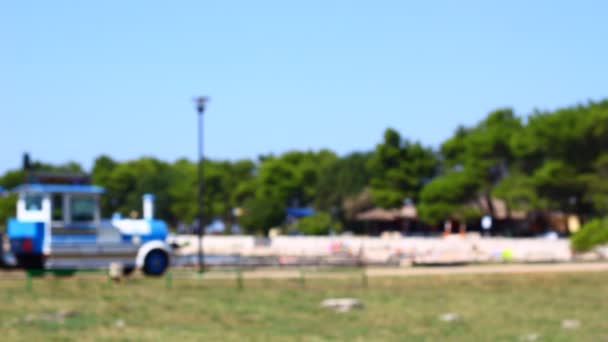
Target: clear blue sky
{"points": [[78, 79]]}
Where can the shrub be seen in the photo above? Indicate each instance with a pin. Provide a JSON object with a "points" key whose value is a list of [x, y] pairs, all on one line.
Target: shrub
{"points": [[593, 233], [317, 224]]}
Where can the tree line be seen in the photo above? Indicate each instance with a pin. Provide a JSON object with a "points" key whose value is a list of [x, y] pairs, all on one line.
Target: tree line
{"points": [[548, 160]]}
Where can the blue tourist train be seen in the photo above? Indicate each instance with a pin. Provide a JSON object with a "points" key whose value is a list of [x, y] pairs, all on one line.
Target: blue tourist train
{"points": [[59, 227]]}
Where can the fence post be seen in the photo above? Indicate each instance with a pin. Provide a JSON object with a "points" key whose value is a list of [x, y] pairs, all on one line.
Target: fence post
{"points": [[364, 277], [302, 279], [361, 261], [239, 278]]}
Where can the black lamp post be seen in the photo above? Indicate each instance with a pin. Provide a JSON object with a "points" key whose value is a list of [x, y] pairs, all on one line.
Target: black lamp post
{"points": [[200, 108]]}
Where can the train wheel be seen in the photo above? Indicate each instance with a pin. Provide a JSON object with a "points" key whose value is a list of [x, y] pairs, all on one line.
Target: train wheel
{"points": [[156, 263], [30, 262], [128, 270]]}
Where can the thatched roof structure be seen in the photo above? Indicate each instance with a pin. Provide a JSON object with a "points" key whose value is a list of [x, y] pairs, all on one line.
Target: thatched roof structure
{"points": [[501, 210], [408, 211]]}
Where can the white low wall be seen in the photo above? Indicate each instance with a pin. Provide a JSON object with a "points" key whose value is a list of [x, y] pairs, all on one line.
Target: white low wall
{"points": [[422, 250], [230, 244]]}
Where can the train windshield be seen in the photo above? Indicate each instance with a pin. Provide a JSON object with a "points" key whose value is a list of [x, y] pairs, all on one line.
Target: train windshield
{"points": [[33, 202], [82, 208]]}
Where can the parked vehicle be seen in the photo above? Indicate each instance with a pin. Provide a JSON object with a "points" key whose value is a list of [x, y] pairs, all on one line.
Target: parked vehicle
{"points": [[58, 227]]}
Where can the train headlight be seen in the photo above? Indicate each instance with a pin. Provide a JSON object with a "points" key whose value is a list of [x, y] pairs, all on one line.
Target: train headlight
{"points": [[27, 245]]}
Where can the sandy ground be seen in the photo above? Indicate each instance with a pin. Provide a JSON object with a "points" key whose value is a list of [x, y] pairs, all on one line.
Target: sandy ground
{"points": [[413, 271]]}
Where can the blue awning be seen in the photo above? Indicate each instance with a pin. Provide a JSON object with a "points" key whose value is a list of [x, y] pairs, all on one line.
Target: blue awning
{"points": [[300, 212]]}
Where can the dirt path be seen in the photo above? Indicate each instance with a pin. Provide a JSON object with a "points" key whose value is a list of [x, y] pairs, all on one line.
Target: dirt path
{"points": [[418, 271]]}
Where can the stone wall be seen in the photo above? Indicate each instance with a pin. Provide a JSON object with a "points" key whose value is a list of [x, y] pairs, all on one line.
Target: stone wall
{"points": [[451, 249]]}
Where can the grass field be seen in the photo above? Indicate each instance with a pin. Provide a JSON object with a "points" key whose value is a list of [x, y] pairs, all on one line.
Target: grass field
{"points": [[485, 307]]}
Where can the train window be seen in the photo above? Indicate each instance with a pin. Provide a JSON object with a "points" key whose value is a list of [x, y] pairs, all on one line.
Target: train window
{"points": [[33, 202], [82, 208], [57, 205]]}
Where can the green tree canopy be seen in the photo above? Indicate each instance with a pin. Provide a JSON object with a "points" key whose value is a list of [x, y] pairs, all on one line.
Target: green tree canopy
{"points": [[341, 178], [398, 170], [446, 196], [320, 223]]}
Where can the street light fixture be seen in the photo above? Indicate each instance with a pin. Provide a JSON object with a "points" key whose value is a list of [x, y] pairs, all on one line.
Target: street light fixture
{"points": [[200, 108]]}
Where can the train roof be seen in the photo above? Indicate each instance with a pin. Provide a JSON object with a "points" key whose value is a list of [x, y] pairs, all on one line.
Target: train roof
{"points": [[60, 188]]}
